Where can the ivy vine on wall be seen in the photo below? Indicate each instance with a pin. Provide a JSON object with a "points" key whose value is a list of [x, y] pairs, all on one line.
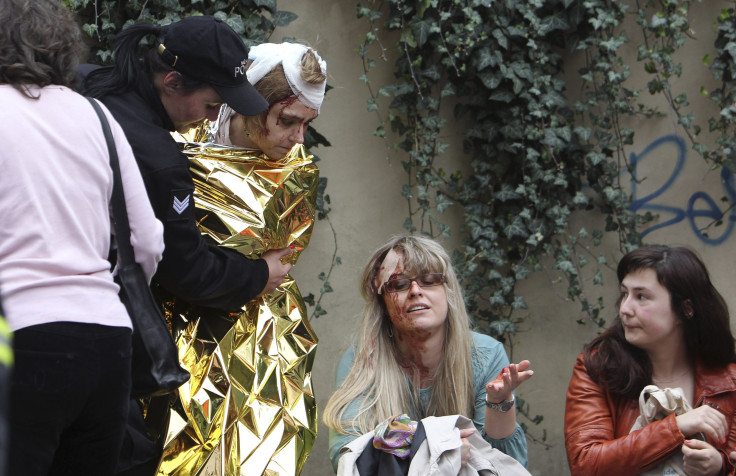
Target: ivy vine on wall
{"points": [[723, 66], [542, 142]]}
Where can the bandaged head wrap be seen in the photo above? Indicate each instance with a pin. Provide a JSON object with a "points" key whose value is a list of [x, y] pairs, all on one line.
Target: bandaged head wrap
{"points": [[389, 266], [267, 56]]}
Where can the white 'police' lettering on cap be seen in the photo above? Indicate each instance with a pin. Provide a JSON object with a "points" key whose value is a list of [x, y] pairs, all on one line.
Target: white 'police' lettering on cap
{"points": [[240, 70]]}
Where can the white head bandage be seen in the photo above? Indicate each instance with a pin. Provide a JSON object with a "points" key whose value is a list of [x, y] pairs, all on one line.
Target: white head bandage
{"points": [[267, 56], [389, 266]]}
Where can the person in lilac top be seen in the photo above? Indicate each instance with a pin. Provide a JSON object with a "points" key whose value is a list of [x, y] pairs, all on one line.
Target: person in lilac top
{"points": [[72, 336]]}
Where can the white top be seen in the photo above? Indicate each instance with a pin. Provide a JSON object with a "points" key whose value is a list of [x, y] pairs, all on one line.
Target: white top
{"points": [[55, 190]]}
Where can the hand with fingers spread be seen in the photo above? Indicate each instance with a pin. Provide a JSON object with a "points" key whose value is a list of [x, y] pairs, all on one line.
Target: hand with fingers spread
{"points": [[703, 419], [501, 388], [500, 420], [277, 270], [701, 458]]}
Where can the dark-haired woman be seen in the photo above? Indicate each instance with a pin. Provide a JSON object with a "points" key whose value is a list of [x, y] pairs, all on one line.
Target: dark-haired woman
{"points": [[672, 331], [193, 67], [70, 384]]}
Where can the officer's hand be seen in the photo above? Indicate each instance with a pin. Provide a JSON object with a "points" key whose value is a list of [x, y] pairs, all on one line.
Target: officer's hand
{"points": [[276, 269]]}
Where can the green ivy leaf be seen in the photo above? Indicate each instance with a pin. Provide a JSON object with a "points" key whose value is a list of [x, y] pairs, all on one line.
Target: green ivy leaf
{"points": [[89, 28], [580, 199], [552, 23], [515, 230], [318, 311], [407, 36], [519, 303], [421, 30], [448, 90], [506, 193], [502, 95], [486, 57], [236, 23], [269, 5], [283, 18], [500, 37]]}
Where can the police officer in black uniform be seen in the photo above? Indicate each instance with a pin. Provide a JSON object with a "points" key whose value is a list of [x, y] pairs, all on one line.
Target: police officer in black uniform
{"points": [[194, 66]]}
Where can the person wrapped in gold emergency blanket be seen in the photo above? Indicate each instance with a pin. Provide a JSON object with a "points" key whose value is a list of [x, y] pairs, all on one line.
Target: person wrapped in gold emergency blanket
{"points": [[249, 407]]}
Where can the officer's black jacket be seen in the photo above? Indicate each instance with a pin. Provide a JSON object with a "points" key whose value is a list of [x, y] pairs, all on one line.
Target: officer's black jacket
{"points": [[191, 269]]}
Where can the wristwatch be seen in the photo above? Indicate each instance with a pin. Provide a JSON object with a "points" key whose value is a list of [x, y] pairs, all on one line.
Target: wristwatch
{"points": [[502, 407]]}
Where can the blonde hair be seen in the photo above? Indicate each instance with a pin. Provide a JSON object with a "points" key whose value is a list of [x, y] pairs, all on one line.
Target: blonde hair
{"points": [[274, 88], [376, 376]]}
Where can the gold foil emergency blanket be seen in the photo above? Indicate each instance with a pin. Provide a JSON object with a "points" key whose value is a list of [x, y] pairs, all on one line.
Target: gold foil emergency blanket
{"points": [[249, 408]]}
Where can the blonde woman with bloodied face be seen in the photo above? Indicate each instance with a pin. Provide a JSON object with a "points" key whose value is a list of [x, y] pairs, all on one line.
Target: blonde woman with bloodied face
{"points": [[416, 355]]}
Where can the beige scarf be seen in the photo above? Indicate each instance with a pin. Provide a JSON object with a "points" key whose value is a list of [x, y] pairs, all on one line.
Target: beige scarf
{"points": [[654, 404]]}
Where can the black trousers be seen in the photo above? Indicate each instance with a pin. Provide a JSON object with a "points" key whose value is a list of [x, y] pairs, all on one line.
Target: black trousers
{"points": [[69, 399], [4, 413], [139, 455]]}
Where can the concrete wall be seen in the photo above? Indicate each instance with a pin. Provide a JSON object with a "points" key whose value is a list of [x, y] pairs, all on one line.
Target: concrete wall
{"points": [[367, 208]]}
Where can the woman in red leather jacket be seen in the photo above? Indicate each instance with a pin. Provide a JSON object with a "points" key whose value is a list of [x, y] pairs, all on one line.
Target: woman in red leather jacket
{"points": [[672, 331]]}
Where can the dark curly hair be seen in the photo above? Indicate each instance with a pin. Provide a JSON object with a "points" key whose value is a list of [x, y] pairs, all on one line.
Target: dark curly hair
{"points": [[624, 369], [40, 44]]}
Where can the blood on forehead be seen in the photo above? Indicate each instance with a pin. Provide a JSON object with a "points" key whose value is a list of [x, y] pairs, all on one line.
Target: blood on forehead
{"points": [[286, 102], [391, 265]]}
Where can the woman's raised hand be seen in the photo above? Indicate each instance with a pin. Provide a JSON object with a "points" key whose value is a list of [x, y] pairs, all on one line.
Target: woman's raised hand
{"points": [[703, 419], [500, 388]]}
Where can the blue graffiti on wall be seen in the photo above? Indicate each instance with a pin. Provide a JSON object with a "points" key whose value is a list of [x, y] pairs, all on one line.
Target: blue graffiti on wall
{"points": [[699, 205]]}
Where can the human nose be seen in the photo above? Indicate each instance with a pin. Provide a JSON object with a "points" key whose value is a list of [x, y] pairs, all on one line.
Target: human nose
{"points": [[212, 114], [414, 287], [625, 307], [297, 134]]}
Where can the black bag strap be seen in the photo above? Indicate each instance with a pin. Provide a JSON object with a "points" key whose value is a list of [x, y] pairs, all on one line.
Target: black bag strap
{"points": [[119, 210]]}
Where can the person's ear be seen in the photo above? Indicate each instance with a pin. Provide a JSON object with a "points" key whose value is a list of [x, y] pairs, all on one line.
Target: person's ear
{"points": [[687, 308], [172, 82]]}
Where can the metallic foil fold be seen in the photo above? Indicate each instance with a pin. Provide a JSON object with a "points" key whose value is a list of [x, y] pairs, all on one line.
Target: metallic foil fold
{"points": [[249, 408]]}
